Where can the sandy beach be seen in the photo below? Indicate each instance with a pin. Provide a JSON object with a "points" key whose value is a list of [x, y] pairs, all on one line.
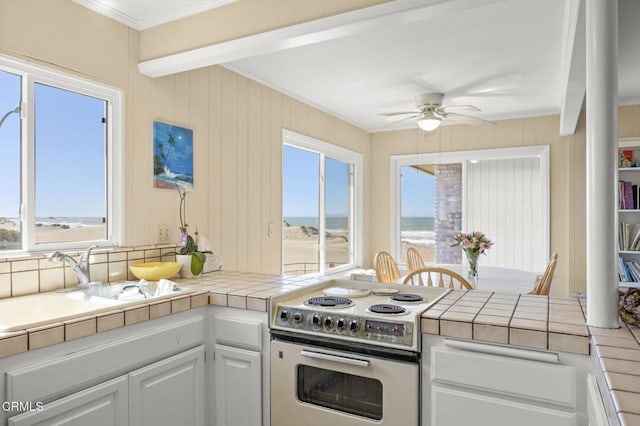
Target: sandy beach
{"points": [[58, 232], [301, 249]]}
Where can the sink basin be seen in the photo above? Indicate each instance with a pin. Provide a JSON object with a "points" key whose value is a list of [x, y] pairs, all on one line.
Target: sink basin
{"points": [[20, 313], [132, 291]]}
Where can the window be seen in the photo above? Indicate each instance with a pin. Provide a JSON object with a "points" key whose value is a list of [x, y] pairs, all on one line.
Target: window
{"points": [[60, 165], [503, 193], [417, 211], [321, 206]]}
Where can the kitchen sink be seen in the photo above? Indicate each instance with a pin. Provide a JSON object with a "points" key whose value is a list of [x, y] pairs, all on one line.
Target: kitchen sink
{"points": [[130, 291]]}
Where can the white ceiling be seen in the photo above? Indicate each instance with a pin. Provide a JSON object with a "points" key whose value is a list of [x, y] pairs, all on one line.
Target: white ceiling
{"points": [[510, 58], [142, 14]]}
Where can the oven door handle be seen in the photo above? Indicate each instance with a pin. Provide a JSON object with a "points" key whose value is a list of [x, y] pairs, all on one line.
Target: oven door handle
{"points": [[335, 358]]}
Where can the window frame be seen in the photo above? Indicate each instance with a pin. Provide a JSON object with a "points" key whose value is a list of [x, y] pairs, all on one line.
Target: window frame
{"points": [[356, 226], [30, 75], [463, 157]]}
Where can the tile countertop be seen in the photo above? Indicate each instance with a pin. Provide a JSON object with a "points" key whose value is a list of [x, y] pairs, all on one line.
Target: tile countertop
{"points": [[543, 322], [233, 289]]}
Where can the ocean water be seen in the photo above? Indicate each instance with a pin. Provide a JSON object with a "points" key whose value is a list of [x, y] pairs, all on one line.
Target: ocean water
{"points": [[418, 231], [72, 222], [332, 223]]}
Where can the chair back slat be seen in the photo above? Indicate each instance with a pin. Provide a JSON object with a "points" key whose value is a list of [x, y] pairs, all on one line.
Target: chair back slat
{"points": [[414, 259], [386, 267], [455, 279], [543, 286]]}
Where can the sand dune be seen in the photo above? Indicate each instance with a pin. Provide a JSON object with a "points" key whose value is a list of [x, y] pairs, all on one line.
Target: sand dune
{"points": [[56, 232]]}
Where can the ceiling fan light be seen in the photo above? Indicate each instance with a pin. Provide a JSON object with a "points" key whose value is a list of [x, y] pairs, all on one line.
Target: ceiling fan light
{"points": [[429, 122]]}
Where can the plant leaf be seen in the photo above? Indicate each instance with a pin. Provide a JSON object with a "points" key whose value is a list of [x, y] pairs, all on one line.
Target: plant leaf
{"points": [[197, 262]]}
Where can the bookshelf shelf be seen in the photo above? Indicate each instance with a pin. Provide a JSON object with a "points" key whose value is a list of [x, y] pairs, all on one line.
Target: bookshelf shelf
{"points": [[629, 214]]}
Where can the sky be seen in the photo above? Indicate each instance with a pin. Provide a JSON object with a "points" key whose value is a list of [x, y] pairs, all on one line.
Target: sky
{"points": [[417, 193], [300, 181], [70, 152], [301, 184]]}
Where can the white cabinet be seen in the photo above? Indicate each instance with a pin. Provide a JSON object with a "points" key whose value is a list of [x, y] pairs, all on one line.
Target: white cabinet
{"points": [[466, 382], [166, 393], [629, 213], [457, 407], [102, 405], [239, 376], [238, 386], [150, 373], [169, 392]]}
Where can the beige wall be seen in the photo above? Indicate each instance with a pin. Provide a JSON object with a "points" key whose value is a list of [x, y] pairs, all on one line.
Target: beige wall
{"points": [[568, 157], [237, 127]]}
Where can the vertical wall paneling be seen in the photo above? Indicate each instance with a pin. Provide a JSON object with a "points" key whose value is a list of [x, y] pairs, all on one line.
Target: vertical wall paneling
{"points": [[265, 182], [214, 164], [502, 196], [229, 165], [198, 121], [254, 172], [275, 177], [242, 174]]}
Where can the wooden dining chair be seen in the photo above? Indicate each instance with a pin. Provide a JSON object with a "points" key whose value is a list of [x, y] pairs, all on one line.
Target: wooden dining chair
{"points": [[386, 267], [543, 285], [445, 278], [414, 259]]}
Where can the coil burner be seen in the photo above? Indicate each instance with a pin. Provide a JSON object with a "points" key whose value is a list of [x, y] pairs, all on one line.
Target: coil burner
{"points": [[402, 297], [329, 302], [387, 309]]}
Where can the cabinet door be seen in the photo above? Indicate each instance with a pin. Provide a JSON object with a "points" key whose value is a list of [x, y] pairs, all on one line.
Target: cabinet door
{"points": [[454, 407], [238, 387], [169, 392], [101, 405]]}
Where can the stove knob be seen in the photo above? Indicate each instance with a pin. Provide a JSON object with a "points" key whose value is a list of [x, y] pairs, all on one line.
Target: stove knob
{"points": [[297, 317], [316, 319], [353, 326], [341, 324], [328, 322], [284, 315]]}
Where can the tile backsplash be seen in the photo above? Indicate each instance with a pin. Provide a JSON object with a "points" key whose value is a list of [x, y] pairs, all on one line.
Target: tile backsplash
{"points": [[34, 273]]}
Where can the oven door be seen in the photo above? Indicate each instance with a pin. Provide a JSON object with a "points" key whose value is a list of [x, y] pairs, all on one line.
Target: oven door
{"points": [[314, 386]]}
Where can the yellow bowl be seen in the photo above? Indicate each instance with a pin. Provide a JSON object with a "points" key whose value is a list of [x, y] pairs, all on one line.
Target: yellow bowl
{"points": [[154, 271]]}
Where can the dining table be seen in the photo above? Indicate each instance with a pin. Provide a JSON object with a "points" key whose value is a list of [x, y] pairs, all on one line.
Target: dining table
{"points": [[490, 278]]}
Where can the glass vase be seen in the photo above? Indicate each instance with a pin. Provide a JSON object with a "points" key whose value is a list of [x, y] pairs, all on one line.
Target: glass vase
{"points": [[472, 264]]}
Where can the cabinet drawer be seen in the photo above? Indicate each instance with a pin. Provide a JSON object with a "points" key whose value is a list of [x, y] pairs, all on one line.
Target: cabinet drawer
{"points": [[454, 407], [60, 376], [237, 332], [540, 381]]}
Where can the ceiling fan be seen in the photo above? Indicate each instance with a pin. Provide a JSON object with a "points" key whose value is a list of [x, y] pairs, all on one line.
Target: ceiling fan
{"points": [[430, 113]]}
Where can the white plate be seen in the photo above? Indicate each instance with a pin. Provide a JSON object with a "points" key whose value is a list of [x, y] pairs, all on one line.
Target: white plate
{"points": [[346, 292], [385, 291]]}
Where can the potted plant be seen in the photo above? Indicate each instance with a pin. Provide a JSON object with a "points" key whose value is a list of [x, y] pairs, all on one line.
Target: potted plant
{"points": [[191, 258]]}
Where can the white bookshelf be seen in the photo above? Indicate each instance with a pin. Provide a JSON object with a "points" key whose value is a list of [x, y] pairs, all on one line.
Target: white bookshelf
{"points": [[629, 215]]}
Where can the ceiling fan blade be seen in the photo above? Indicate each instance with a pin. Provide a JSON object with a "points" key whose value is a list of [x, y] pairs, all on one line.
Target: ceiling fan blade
{"points": [[467, 119], [400, 121], [391, 114], [447, 108]]}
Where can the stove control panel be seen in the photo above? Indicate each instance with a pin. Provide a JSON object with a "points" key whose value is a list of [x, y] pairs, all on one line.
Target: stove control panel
{"points": [[307, 320]]}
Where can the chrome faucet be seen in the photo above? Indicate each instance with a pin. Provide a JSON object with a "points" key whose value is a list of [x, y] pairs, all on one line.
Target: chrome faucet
{"points": [[81, 267]]}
